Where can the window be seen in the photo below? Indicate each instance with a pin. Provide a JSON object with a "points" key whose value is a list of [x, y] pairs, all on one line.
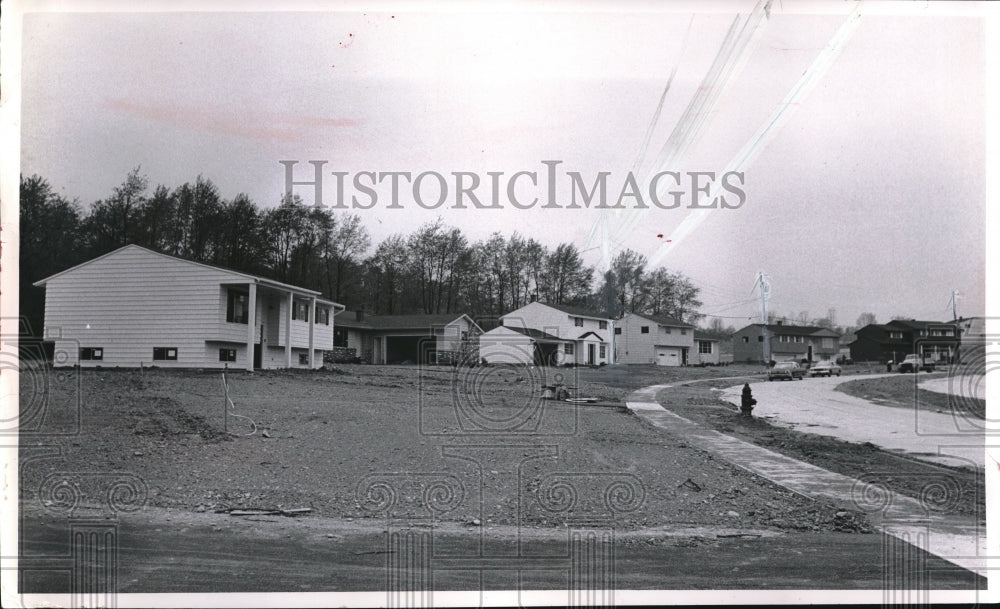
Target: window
{"points": [[339, 337], [828, 343], [578, 322], [569, 349], [323, 316], [227, 355], [644, 330], [704, 346], [684, 331], [300, 310], [304, 359], [604, 351], [746, 339], [237, 307], [602, 325], [165, 353], [465, 335], [666, 329], [760, 339], [618, 330], [798, 339], [897, 335], [91, 353]]}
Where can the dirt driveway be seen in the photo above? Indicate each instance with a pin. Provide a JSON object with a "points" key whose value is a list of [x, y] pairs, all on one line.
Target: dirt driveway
{"points": [[813, 405]]}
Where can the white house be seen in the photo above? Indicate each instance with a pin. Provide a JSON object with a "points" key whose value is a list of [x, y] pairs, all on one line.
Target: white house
{"points": [[707, 349], [135, 307], [389, 339], [547, 334], [648, 339]]}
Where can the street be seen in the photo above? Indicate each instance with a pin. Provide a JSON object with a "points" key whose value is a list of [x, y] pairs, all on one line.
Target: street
{"points": [[814, 406]]}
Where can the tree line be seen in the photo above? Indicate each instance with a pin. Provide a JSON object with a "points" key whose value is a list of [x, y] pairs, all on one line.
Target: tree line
{"points": [[434, 269]]}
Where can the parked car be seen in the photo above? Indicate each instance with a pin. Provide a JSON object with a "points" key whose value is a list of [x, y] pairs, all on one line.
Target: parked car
{"points": [[824, 368], [914, 363], [786, 370]]}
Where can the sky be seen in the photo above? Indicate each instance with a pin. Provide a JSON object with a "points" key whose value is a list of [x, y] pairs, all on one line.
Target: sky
{"points": [[860, 136]]}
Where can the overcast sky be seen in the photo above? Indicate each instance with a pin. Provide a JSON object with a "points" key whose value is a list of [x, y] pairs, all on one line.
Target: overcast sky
{"points": [[867, 195]]}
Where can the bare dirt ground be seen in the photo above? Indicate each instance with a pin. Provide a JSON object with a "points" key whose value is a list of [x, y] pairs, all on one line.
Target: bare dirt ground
{"points": [[321, 434], [903, 391], [324, 439]]}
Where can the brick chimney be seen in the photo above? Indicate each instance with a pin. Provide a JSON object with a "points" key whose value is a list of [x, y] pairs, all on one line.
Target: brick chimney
{"points": [[359, 315]]}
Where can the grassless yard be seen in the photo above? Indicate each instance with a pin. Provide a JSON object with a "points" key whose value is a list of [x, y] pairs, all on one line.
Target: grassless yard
{"points": [[903, 391], [325, 440]]}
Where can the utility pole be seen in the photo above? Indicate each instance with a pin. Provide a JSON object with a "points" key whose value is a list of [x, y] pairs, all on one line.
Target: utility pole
{"points": [[765, 293]]}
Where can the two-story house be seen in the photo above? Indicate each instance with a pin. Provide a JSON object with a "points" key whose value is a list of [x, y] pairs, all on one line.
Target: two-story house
{"points": [[895, 340], [649, 339], [786, 342], [548, 334], [135, 307]]}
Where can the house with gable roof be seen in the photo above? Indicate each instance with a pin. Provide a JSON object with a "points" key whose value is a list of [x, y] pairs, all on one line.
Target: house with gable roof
{"points": [[548, 334]]}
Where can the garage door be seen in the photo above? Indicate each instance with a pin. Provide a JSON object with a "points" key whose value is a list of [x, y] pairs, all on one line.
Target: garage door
{"points": [[668, 357]]}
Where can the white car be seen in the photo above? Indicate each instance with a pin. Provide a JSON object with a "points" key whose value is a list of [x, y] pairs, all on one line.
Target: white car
{"points": [[824, 368]]}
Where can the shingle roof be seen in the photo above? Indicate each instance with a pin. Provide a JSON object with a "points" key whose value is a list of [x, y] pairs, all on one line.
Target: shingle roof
{"points": [[664, 321], [533, 333], [917, 324], [258, 278], [397, 322], [574, 310], [792, 330], [708, 335]]}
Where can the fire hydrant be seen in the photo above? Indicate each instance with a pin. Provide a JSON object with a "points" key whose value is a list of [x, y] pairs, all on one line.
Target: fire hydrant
{"points": [[747, 402]]}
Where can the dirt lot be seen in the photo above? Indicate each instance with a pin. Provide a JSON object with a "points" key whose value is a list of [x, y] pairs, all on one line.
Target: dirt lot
{"points": [[903, 392], [325, 441]]}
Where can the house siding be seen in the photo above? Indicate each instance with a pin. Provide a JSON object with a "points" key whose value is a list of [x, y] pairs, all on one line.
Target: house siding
{"points": [[134, 300], [501, 345], [824, 344], [697, 357], [540, 316], [634, 347]]}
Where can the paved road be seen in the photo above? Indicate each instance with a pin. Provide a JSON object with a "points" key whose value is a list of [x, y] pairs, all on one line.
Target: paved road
{"points": [[814, 406], [182, 552]]}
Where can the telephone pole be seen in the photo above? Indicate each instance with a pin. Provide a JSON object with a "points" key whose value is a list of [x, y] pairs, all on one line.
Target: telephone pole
{"points": [[765, 293]]}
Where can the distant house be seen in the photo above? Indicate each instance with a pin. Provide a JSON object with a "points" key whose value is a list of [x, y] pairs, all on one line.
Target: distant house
{"points": [[649, 339], [787, 342], [135, 307], [392, 339], [546, 334], [712, 348], [972, 341], [900, 337]]}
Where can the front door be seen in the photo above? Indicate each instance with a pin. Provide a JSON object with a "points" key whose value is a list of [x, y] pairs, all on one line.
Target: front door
{"points": [[258, 350], [591, 348]]}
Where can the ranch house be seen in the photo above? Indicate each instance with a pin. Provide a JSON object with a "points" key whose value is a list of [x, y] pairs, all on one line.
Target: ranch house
{"points": [[394, 339], [135, 307]]}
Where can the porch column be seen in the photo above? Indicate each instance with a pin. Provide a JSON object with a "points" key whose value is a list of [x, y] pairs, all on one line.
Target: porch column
{"points": [[312, 330], [251, 324], [288, 330]]}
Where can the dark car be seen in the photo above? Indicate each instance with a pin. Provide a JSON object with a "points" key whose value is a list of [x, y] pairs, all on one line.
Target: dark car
{"points": [[786, 370]]}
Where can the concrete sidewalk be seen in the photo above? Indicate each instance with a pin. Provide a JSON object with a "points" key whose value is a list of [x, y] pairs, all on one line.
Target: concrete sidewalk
{"points": [[956, 538]]}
